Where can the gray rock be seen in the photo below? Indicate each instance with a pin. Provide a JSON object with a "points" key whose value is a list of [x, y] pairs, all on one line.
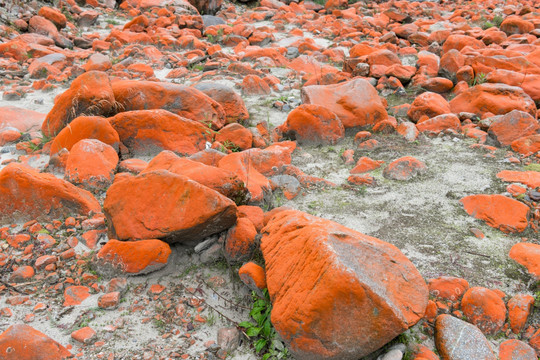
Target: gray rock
{"points": [[212, 254], [394, 354], [228, 338], [458, 340], [211, 20]]}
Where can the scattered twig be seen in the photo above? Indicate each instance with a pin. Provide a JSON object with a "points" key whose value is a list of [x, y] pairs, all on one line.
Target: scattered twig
{"points": [[222, 297], [478, 254], [213, 308]]}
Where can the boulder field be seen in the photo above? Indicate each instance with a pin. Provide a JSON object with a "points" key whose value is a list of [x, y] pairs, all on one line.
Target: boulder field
{"points": [[270, 179]]}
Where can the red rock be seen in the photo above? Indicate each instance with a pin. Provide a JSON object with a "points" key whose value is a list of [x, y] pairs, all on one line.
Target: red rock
{"points": [[512, 126], [497, 99], [23, 342], [408, 130], [456, 339], [530, 83], [134, 166], [534, 341], [236, 135], [528, 255], [22, 274], [91, 164], [132, 257], [498, 211], [221, 180], [519, 308], [365, 164], [448, 287], [240, 240], [98, 62], [53, 15], [404, 169], [355, 102], [134, 205], [458, 42], [86, 335], [253, 276], [313, 124], [85, 127], [527, 145], [146, 132], [89, 94], [75, 295], [516, 25], [529, 178], [254, 213], [440, 123], [181, 100], [27, 195], [484, 308], [254, 85], [428, 104], [421, 352], [21, 119], [438, 85], [242, 165], [45, 260], [109, 300], [514, 349], [361, 180], [315, 269], [232, 103]]}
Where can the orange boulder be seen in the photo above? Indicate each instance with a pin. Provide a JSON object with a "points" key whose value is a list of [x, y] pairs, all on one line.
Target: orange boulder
{"points": [[428, 104], [28, 195], [223, 181], [404, 169], [85, 127], [355, 102], [146, 132], [456, 339], [89, 94], [253, 276], [448, 287], [313, 124], [235, 136], [440, 123], [232, 103], [365, 164], [458, 42], [253, 213], [23, 120], [497, 99], [528, 255], [484, 308], [240, 241], [181, 100], [254, 85], [132, 257], [135, 208], [498, 211], [519, 308], [336, 293], [91, 164], [516, 25], [75, 295], [526, 145], [514, 349], [512, 126], [23, 342], [241, 165], [529, 178]]}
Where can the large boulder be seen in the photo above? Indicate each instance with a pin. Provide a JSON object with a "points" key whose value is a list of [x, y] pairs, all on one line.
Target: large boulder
{"points": [[337, 293], [28, 195], [23, 342], [223, 181], [163, 205], [85, 127], [147, 132], [528, 255], [89, 94], [355, 102], [313, 124], [230, 100], [182, 100], [497, 99], [91, 163], [512, 126], [498, 211]]}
